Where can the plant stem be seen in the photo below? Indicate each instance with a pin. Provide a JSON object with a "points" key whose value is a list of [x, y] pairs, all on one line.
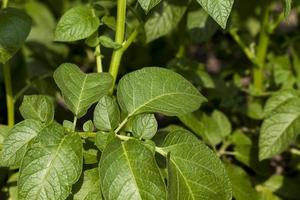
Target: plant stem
{"points": [[258, 72], [87, 134], [119, 38], [121, 124], [74, 123], [9, 96], [5, 3], [98, 58], [250, 55]]}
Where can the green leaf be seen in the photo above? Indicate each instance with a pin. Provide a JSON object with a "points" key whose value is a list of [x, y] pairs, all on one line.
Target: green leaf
{"points": [[278, 99], [88, 126], [38, 107], [4, 130], [286, 187], [16, 143], [164, 19], [147, 5], [68, 125], [107, 114], [77, 23], [280, 129], [212, 128], [88, 186], [128, 171], [194, 171], [223, 123], [219, 10], [51, 166], [242, 187], [144, 126], [154, 89], [108, 42], [81, 90], [102, 139], [14, 28], [201, 27]]}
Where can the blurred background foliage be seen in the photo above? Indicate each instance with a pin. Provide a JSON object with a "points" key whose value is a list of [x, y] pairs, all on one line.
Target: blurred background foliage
{"points": [[196, 47]]}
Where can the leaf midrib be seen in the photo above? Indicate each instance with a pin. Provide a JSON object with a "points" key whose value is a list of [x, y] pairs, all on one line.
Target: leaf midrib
{"points": [[160, 96], [51, 162], [130, 168]]}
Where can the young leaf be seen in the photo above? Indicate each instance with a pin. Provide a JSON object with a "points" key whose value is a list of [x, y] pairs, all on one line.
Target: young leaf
{"points": [[147, 5], [102, 139], [77, 23], [280, 129], [38, 107], [88, 187], [68, 125], [154, 89], [242, 187], [165, 18], [128, 171], [81, 90], [106, 114], [15, 144], [144, 126], [51, 166], [14, 28], [219, 10], [194, 171], [108, 42], [88, 126]]}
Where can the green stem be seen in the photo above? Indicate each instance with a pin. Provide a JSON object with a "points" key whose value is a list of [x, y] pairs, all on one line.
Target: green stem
{"points": [[250, 55], [87, 134], [121, 125], [119, 38], [98, 58], [9, 95], [258, 72], [5, 3], [74, 123]]}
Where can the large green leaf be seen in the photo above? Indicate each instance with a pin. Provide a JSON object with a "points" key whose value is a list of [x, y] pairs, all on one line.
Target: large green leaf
{"points": [[128, 171], [164, 19], [14, 29], [154, 89], [38, 107], [242, 187], [15, 144], [107, 114], [194, 171], [280, 129], [88, 186], [219, 10], [81, 90], [51, 166], [77, 23], [148, 4]]}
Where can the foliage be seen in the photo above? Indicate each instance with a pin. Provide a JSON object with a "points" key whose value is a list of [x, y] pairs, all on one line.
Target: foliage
{"points": [[100, 118]]}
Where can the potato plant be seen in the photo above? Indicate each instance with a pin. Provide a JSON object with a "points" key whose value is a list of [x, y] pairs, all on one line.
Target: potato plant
{"points": [[149, 99]]}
